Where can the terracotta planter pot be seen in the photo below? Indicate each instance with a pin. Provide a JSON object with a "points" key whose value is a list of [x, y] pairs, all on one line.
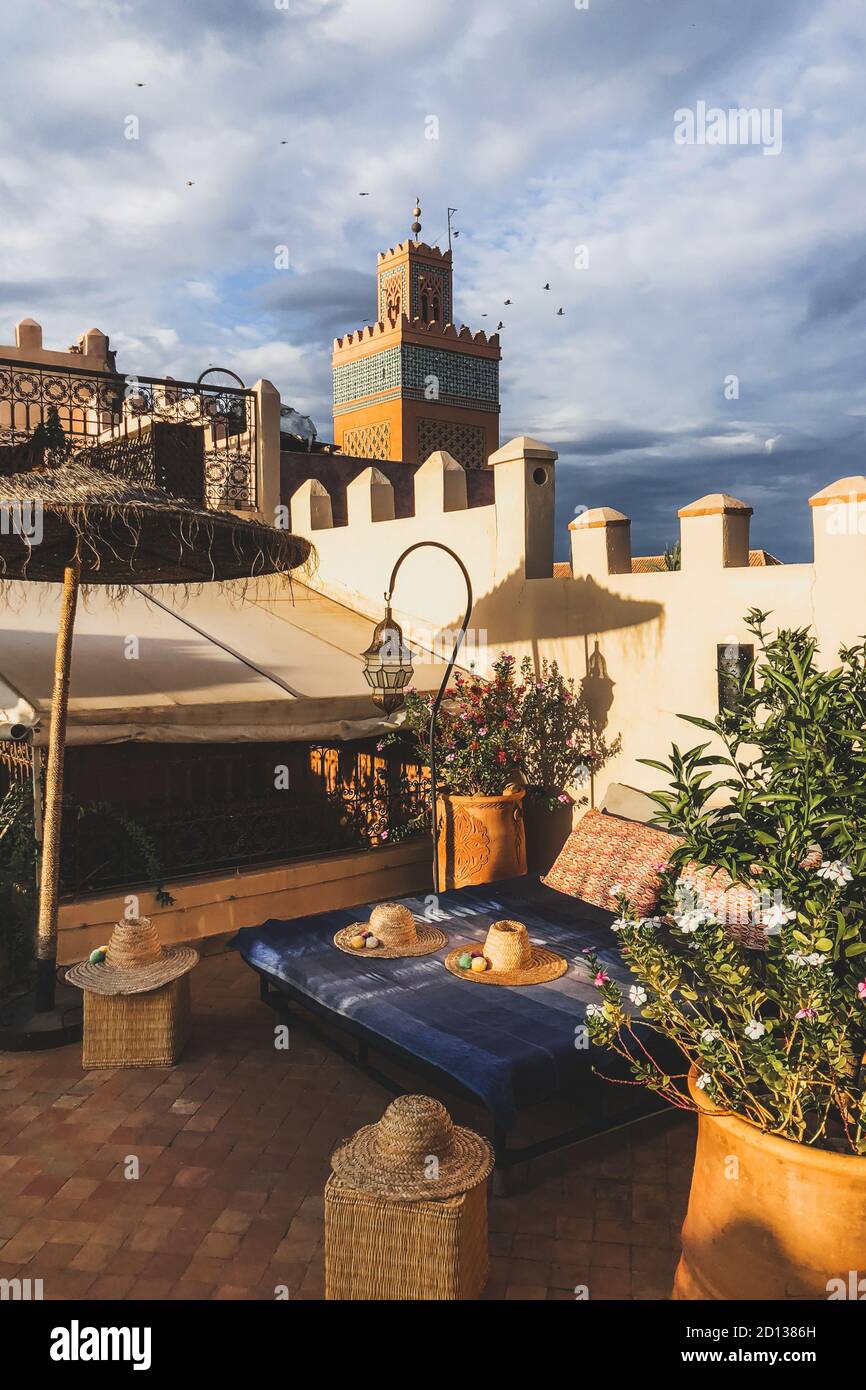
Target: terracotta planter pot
{"points": [[791, 1220], [546, 833], [480, 838]]}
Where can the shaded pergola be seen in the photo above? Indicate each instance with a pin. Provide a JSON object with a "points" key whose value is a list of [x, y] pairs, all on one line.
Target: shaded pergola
{"points": [[77, 526]]}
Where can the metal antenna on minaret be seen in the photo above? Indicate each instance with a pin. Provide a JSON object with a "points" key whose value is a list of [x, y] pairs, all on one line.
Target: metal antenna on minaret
{"points": [[451, 212]]}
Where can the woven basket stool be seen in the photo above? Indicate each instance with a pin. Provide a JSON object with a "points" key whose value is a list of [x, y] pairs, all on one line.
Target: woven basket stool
{"points": [[136, 1030], [378, 1249]]}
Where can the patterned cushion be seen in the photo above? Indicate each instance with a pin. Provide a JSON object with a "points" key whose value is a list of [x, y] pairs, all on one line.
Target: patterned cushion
{"points": [[602, 851], [732, 903]]}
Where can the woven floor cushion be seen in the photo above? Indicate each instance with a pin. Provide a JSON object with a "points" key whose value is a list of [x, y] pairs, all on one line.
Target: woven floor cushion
{"points": [[603, 851], [732, 903]]}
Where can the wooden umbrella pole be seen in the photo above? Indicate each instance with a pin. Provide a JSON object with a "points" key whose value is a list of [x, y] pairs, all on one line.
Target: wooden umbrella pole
{"points": [[49, 884]]}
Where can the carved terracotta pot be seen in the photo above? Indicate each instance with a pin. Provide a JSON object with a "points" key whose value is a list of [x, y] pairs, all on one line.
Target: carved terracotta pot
{"points": [[768, 1218], [480, 838]]}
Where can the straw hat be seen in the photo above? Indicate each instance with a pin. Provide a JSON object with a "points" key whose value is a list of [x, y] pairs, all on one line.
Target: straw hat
{"points": [[398, 934], [414, 1151], [512, 959], [135, 961]]}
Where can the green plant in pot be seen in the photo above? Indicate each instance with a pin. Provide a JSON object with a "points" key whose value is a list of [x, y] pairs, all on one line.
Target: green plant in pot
{"points": [[754, 967], [560, 748], [480, 831]]}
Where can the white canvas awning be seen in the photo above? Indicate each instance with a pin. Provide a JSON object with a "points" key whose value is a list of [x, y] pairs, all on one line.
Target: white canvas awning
{"points": [[139, 673]]}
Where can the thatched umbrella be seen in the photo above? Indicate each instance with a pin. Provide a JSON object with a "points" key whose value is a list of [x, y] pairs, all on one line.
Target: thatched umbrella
{"points": [[78, 525]]}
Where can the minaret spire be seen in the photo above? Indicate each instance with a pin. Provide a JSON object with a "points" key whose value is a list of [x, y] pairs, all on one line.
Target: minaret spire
{"points": [[416, 213]]}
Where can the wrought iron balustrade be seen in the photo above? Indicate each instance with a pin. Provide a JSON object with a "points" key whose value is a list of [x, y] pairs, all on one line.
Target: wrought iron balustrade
{"points": [[351, 798], [124, 421]]}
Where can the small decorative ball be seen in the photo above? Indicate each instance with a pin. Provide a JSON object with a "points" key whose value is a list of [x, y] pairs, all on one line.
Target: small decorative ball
{"points": [[464, 961], [372, 942], [97, 956], [479, 963], [477, 951], [357, 943]]}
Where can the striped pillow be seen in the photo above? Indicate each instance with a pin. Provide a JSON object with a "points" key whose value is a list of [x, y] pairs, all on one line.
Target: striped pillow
{"points": [[603, 851]]}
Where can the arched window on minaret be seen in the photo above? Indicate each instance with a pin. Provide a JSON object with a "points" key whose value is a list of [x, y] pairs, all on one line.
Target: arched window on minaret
{"points": [[435, 308], [425, 313]]}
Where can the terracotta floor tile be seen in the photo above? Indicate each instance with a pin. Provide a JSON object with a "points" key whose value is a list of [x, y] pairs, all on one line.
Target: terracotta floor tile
{"points": [[233, 1146]]}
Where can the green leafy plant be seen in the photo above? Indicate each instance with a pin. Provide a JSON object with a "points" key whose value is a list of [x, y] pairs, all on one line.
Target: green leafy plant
{"points": [[672, 558], [559, 745], [49, 439], [777, 1035], [17, 883], [140, 837]]}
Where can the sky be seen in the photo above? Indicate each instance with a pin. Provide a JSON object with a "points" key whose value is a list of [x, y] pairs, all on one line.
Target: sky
{"points": [[713, 334]]}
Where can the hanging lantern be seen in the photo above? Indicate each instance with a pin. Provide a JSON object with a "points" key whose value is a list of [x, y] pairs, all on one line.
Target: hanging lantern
{"points": [[388, 664]]}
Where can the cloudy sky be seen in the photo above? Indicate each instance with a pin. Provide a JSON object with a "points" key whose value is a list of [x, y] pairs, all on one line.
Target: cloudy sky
{"points": [[556, 125]]}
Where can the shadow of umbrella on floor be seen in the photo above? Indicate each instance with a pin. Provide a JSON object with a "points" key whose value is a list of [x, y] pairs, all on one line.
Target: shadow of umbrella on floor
{"points": [[77, 525]]}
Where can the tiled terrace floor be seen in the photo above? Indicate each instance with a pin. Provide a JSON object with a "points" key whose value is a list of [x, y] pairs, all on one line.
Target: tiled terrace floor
{"points": [[233, 1149]]}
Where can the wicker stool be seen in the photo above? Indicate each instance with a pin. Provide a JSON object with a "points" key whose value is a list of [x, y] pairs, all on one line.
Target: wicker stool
{"points": [[376, 1248], [136, 1030]]}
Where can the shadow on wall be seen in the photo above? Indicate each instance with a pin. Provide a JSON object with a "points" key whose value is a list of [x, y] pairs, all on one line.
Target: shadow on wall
{"points": [[529, 611], [597, 687]]}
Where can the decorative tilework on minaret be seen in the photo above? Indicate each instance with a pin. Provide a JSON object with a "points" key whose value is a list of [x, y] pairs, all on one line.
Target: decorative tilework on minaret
{"points": [[412, 383]]}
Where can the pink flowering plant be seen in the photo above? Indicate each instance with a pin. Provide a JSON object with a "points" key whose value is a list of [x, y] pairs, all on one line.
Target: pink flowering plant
{"points": [[775, 1029], [477, 731], [491, 734]]}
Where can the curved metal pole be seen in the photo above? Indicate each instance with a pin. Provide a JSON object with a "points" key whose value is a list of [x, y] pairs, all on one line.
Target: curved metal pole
{"points": [[437, 545]]}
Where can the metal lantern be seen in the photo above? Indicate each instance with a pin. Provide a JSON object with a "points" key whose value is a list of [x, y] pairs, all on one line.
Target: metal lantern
{"points": [[388, 664]]}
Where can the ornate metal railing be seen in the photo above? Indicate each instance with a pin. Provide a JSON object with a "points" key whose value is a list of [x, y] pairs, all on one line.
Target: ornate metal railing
{"points": [[118, 419], [352, 798]]}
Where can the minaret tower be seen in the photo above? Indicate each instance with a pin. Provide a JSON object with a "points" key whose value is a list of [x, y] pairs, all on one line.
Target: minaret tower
{"points": [[412, 383]]}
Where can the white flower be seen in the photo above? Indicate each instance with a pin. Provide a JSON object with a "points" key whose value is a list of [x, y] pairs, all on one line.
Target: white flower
{"points": [[777, 917], [813, 958], [755, 1029], [594, 1011], [637, 995], [836, 871], [620, 923], [710, 1035], [703, 1080], [690, 921], [615, 891]]}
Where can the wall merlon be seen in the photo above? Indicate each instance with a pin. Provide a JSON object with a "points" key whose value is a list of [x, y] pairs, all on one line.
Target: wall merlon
{"points": [[370, 498], [600, 543], [311, 508], [714, 532], [440, 485]]}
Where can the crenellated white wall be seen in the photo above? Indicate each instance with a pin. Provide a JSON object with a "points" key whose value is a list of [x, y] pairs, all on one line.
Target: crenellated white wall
{"points": [[644, 645]]}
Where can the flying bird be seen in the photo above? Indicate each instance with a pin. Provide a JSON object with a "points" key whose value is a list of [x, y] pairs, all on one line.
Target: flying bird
{"points": [[139, 84], [363, 195], [189, 183], [284, 142], [499, 325], [559, 312], [506, 301], [547, 286], [455, 234]]}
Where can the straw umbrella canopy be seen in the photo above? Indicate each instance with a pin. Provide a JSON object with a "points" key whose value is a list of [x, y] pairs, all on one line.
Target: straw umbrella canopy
{"points": [[77, 525]]}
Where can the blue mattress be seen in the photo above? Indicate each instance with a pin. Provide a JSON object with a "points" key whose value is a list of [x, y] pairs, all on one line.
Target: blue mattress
{"points": [[509, 1047]]}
